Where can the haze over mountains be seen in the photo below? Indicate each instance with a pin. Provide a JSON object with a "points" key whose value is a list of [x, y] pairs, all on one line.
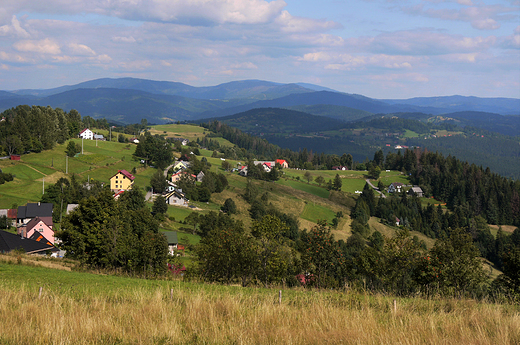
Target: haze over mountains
{"points": [[128, 100]]}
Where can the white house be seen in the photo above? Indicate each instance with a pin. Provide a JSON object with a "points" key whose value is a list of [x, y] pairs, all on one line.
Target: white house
{"points": [[395, 187], [86, 134]]}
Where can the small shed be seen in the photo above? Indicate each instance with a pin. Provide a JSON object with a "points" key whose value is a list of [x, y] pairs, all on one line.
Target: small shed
{"points": [[15, 157]]}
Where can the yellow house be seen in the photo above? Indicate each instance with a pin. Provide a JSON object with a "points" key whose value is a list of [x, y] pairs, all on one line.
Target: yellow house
{"points": [[122, 180]]}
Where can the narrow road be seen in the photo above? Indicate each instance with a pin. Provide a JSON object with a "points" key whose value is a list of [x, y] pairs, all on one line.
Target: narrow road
{"points": [[375, 188], [166, 171]]}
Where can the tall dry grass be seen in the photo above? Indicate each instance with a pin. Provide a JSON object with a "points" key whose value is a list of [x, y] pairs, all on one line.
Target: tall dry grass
{"points": [[212, 316]]}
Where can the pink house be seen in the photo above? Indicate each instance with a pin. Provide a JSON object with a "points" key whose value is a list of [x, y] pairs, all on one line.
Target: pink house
{"points": [[38, 225]]}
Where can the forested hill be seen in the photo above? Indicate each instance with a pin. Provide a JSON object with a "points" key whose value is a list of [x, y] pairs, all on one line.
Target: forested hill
{"points": [[276, 120]]}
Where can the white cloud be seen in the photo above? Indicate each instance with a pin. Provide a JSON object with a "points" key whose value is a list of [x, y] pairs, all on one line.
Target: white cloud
{"points": [[513, 41], [415, 77], [318, 56], [423, 42], [45, 46], [244, 65], [135, 65], [16, 58], [480, 16], [129, 39], [14, 29], [81, 49], [197, 12], [103, 58], [485, 24], [289, 23], [350, 62]]}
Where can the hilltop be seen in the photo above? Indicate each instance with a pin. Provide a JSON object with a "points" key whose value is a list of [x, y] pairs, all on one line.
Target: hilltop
{"points": [[127, 100]]}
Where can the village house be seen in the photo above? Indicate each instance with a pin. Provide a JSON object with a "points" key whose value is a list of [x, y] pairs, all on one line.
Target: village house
{"points": [[395, 187], [123, 180], [200, 176], [173, 242], [181, 165], [176, 197], [9, 242], [283, 163], [177, 176], [86, 134], [266, 165], [417, 191], [183, 141], [37, 226], [340, 167], [10, 214], [42, 210]]}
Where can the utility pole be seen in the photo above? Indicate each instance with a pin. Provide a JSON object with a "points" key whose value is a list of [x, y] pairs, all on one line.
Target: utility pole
{"points": [[67, 165], [81, 145], [43, 186]]}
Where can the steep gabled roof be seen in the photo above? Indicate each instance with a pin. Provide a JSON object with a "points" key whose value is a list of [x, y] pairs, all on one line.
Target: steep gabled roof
{"points": [[86, 129], [36, 236], [180, 195], [9, 241], [125, 173], [32, 210], [33, 222]]}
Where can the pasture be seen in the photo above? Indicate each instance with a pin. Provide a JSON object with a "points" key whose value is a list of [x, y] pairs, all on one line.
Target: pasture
{"points": [[86, 308]]}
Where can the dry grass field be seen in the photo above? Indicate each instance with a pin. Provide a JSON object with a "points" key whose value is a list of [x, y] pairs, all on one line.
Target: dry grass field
{"points": [[84, 308]]}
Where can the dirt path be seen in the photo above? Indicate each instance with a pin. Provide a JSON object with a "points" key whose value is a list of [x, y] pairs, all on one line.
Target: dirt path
{"points": [[35, 169]]}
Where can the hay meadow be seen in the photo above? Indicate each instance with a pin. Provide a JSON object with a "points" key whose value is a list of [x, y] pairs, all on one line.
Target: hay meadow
{"points": [[88, 308]]}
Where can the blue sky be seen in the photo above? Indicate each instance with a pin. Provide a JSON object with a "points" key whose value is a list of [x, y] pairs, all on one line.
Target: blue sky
{"points": [[377, 48]]}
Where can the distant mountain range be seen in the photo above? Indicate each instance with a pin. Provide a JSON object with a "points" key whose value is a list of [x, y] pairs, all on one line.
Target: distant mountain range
{"points": [[128, 100]]}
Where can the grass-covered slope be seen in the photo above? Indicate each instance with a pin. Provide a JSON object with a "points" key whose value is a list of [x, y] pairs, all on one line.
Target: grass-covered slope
{"points": [[86, 308]]}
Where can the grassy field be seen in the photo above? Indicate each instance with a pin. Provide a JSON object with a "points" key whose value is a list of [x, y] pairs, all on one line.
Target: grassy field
{"points": [[303, 186], [314, 213], [85, 308], [99, 161], [410, 134]]}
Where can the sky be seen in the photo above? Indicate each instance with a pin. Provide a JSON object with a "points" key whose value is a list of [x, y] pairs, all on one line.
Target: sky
{"points": [[377, 48]]}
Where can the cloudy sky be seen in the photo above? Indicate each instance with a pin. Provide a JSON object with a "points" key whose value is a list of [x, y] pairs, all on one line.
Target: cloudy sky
{"points": [[377, 48]]}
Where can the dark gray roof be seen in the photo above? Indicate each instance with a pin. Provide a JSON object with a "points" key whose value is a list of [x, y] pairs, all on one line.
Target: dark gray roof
{"points": [[32, 210], [9, 241], [21, 212], [171, 236]]}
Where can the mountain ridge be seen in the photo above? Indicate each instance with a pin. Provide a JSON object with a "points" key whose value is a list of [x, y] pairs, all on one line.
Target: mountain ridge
{"points": [[159, 102]]}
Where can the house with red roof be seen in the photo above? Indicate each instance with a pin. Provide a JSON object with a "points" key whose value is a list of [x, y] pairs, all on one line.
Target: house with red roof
{"points": [[86, 134], [123, 180], [283, 163], [177, 176], [266, 165]]}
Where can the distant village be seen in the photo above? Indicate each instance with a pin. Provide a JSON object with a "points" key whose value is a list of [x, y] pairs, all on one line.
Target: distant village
{"points": [[34, 224]]}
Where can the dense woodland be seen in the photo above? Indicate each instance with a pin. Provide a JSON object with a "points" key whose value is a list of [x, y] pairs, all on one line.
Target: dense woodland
{"points": [[477, 145]]}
